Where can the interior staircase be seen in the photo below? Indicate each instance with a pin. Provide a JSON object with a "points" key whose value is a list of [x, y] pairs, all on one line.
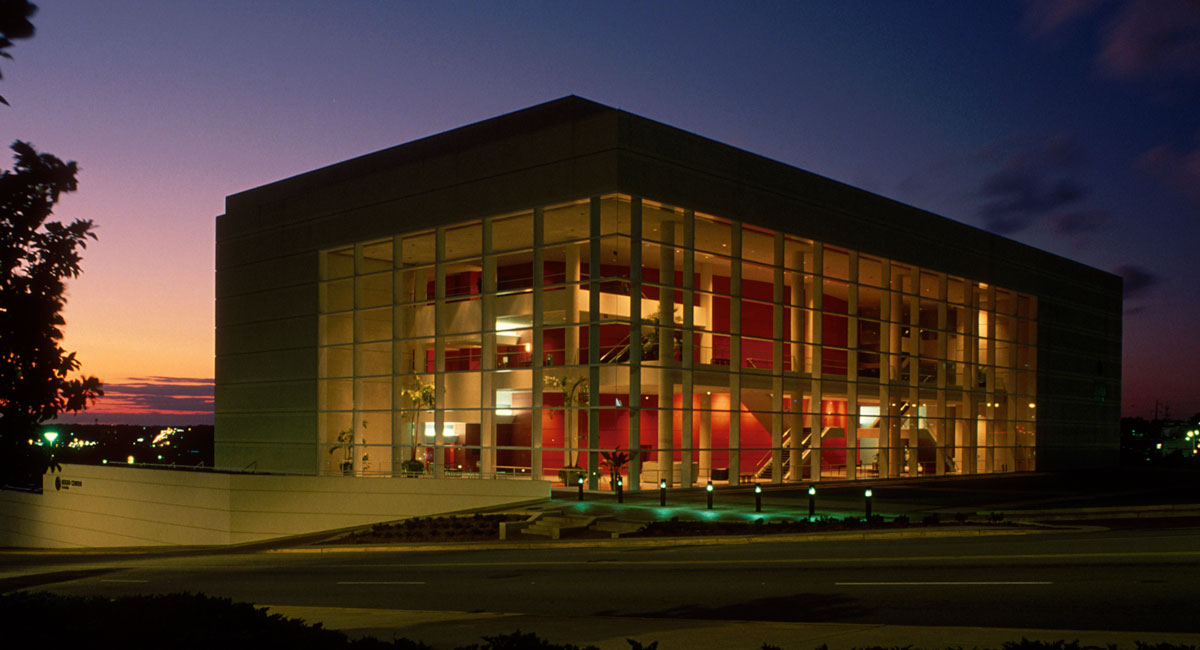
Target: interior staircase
{"points": [[765, 470]]}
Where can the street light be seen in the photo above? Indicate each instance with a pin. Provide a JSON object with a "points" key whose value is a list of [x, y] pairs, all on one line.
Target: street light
{"points": [[812, 501], [50, 437]]}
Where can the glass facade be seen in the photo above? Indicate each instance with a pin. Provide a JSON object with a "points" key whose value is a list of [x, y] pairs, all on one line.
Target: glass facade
{"points": [[527, 344]]}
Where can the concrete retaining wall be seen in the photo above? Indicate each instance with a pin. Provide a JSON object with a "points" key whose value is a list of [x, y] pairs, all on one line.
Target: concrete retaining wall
{"points": [[106, 506]]}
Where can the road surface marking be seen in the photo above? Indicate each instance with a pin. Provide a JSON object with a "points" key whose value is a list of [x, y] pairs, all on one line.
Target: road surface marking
{"points": [[380, 582], [119, 580], [961, 582]]}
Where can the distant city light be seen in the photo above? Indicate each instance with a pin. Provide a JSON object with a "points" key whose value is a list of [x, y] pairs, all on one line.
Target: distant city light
{"points": [[129, 460], [163, 435]]}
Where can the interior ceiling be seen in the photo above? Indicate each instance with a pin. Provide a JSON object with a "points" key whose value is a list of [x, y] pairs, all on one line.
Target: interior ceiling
{"points": [[570, 223]]}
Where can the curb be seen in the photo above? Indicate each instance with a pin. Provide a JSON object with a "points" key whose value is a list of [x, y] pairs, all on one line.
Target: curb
{"points": [[1114, 512]]}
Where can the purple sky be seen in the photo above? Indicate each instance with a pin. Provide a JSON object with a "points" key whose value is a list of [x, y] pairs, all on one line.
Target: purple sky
{"points": [[1070, 125]]}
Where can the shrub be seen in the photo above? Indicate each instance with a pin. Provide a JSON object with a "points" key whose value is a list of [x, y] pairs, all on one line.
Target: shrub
{"points": [[523, 641], [166, 621]]}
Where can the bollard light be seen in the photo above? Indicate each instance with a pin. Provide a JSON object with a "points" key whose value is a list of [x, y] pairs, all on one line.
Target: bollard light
{"points": [[867, 494], [709, 489], [620, 492], [579, 482], [757, 498], [812, 501], [662, 492]]}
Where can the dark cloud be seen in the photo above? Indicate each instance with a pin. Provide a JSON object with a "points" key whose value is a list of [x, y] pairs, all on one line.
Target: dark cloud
{"points": [[1077, 222], [174, 380], [1032, 183], [1153, 37], [1045, 16], [1139, 38], [159, 394], [1177, 170], [1138, 281]]}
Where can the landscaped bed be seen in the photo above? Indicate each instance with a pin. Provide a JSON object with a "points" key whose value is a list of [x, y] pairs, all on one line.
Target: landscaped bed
{"points": [[686, 528], [481, 527], [469, 528]]}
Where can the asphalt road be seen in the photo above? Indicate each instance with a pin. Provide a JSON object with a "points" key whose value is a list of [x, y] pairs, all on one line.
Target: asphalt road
{"points": [[1100, 580]]}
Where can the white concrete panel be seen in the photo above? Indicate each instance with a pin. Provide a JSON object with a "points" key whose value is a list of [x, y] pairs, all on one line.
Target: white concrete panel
{"points": [[107, 506]]}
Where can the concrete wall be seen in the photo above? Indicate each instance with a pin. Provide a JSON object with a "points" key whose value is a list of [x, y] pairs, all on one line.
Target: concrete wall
{"points": [[110, 506], [267, 244]]}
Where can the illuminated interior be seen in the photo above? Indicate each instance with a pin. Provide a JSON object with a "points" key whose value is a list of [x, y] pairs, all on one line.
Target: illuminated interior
{"points": [[522, 344]]}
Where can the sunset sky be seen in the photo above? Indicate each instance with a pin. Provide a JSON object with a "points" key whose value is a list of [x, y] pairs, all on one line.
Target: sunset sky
{"points": [[1070, 125]]}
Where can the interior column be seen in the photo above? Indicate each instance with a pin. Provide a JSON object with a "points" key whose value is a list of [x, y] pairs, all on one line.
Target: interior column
{"points": [[666, 352], [487, 362]]}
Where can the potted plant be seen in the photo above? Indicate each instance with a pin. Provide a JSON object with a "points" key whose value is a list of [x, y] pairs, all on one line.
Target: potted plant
{"points": [[347, 443], [649, 336], [615, 461], [412, 468], [420, 396], [575, 394]]}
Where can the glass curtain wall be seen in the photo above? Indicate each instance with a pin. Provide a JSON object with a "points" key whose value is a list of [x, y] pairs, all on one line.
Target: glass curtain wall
{"points": [[537, 344]]}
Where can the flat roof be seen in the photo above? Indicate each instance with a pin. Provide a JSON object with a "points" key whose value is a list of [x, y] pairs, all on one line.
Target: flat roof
{"points": [[573, 147]]}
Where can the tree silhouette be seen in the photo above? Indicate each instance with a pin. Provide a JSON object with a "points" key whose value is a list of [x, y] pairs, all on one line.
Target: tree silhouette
{"points": [[14, 23], [36, 257]]}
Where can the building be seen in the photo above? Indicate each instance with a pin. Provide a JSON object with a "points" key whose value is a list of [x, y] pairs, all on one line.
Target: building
{"points": [[517, 296]]}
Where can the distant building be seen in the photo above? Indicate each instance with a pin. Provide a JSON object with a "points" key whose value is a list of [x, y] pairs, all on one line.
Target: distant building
{"points": [[518, 295], [1178, 437]]}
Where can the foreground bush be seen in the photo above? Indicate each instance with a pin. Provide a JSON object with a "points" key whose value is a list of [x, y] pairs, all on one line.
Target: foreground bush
{"points": [[197, 621], [165, 621]]}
